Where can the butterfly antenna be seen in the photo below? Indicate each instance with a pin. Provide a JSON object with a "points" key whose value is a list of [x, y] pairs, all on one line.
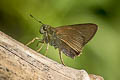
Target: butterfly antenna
{"points": [[35, 18]]}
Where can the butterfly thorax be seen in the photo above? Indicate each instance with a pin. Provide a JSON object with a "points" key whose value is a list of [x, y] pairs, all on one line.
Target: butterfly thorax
{"points": [[49, 35]]}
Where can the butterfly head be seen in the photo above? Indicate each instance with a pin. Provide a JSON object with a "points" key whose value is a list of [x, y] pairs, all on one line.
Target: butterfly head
{"points": [[44, 28]]}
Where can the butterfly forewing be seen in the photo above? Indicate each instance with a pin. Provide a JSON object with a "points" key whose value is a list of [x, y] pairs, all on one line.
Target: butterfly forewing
{"points": [[76, 36]]}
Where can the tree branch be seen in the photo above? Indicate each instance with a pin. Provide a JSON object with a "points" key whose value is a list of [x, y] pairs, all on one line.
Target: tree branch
{"points": [[18, 62]]}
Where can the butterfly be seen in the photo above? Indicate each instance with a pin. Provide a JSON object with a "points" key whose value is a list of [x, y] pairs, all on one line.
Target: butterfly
{"points": [[68, 39]]}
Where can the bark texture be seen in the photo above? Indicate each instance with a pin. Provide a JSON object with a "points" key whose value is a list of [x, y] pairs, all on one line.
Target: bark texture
{"points": [[18, 62]]}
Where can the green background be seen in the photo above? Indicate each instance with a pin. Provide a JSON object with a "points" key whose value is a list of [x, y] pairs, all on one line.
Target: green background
{"points": [[100, 56]]}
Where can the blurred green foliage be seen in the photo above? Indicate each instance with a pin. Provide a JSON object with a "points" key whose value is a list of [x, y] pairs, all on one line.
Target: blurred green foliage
{"points": [[100, 56]]}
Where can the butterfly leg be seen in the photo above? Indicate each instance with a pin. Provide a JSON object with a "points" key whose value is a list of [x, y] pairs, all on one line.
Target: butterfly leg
{"points": [[47, 49], [61, 59], [40, 41], [36, 38], [40, 47]]}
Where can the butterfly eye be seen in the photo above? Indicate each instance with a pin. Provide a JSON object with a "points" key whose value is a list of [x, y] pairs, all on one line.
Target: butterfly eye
{"points": [[44, 28]]}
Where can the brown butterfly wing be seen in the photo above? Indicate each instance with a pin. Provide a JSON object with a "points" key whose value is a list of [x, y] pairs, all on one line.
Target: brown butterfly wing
{"points": [[76, 36]]}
